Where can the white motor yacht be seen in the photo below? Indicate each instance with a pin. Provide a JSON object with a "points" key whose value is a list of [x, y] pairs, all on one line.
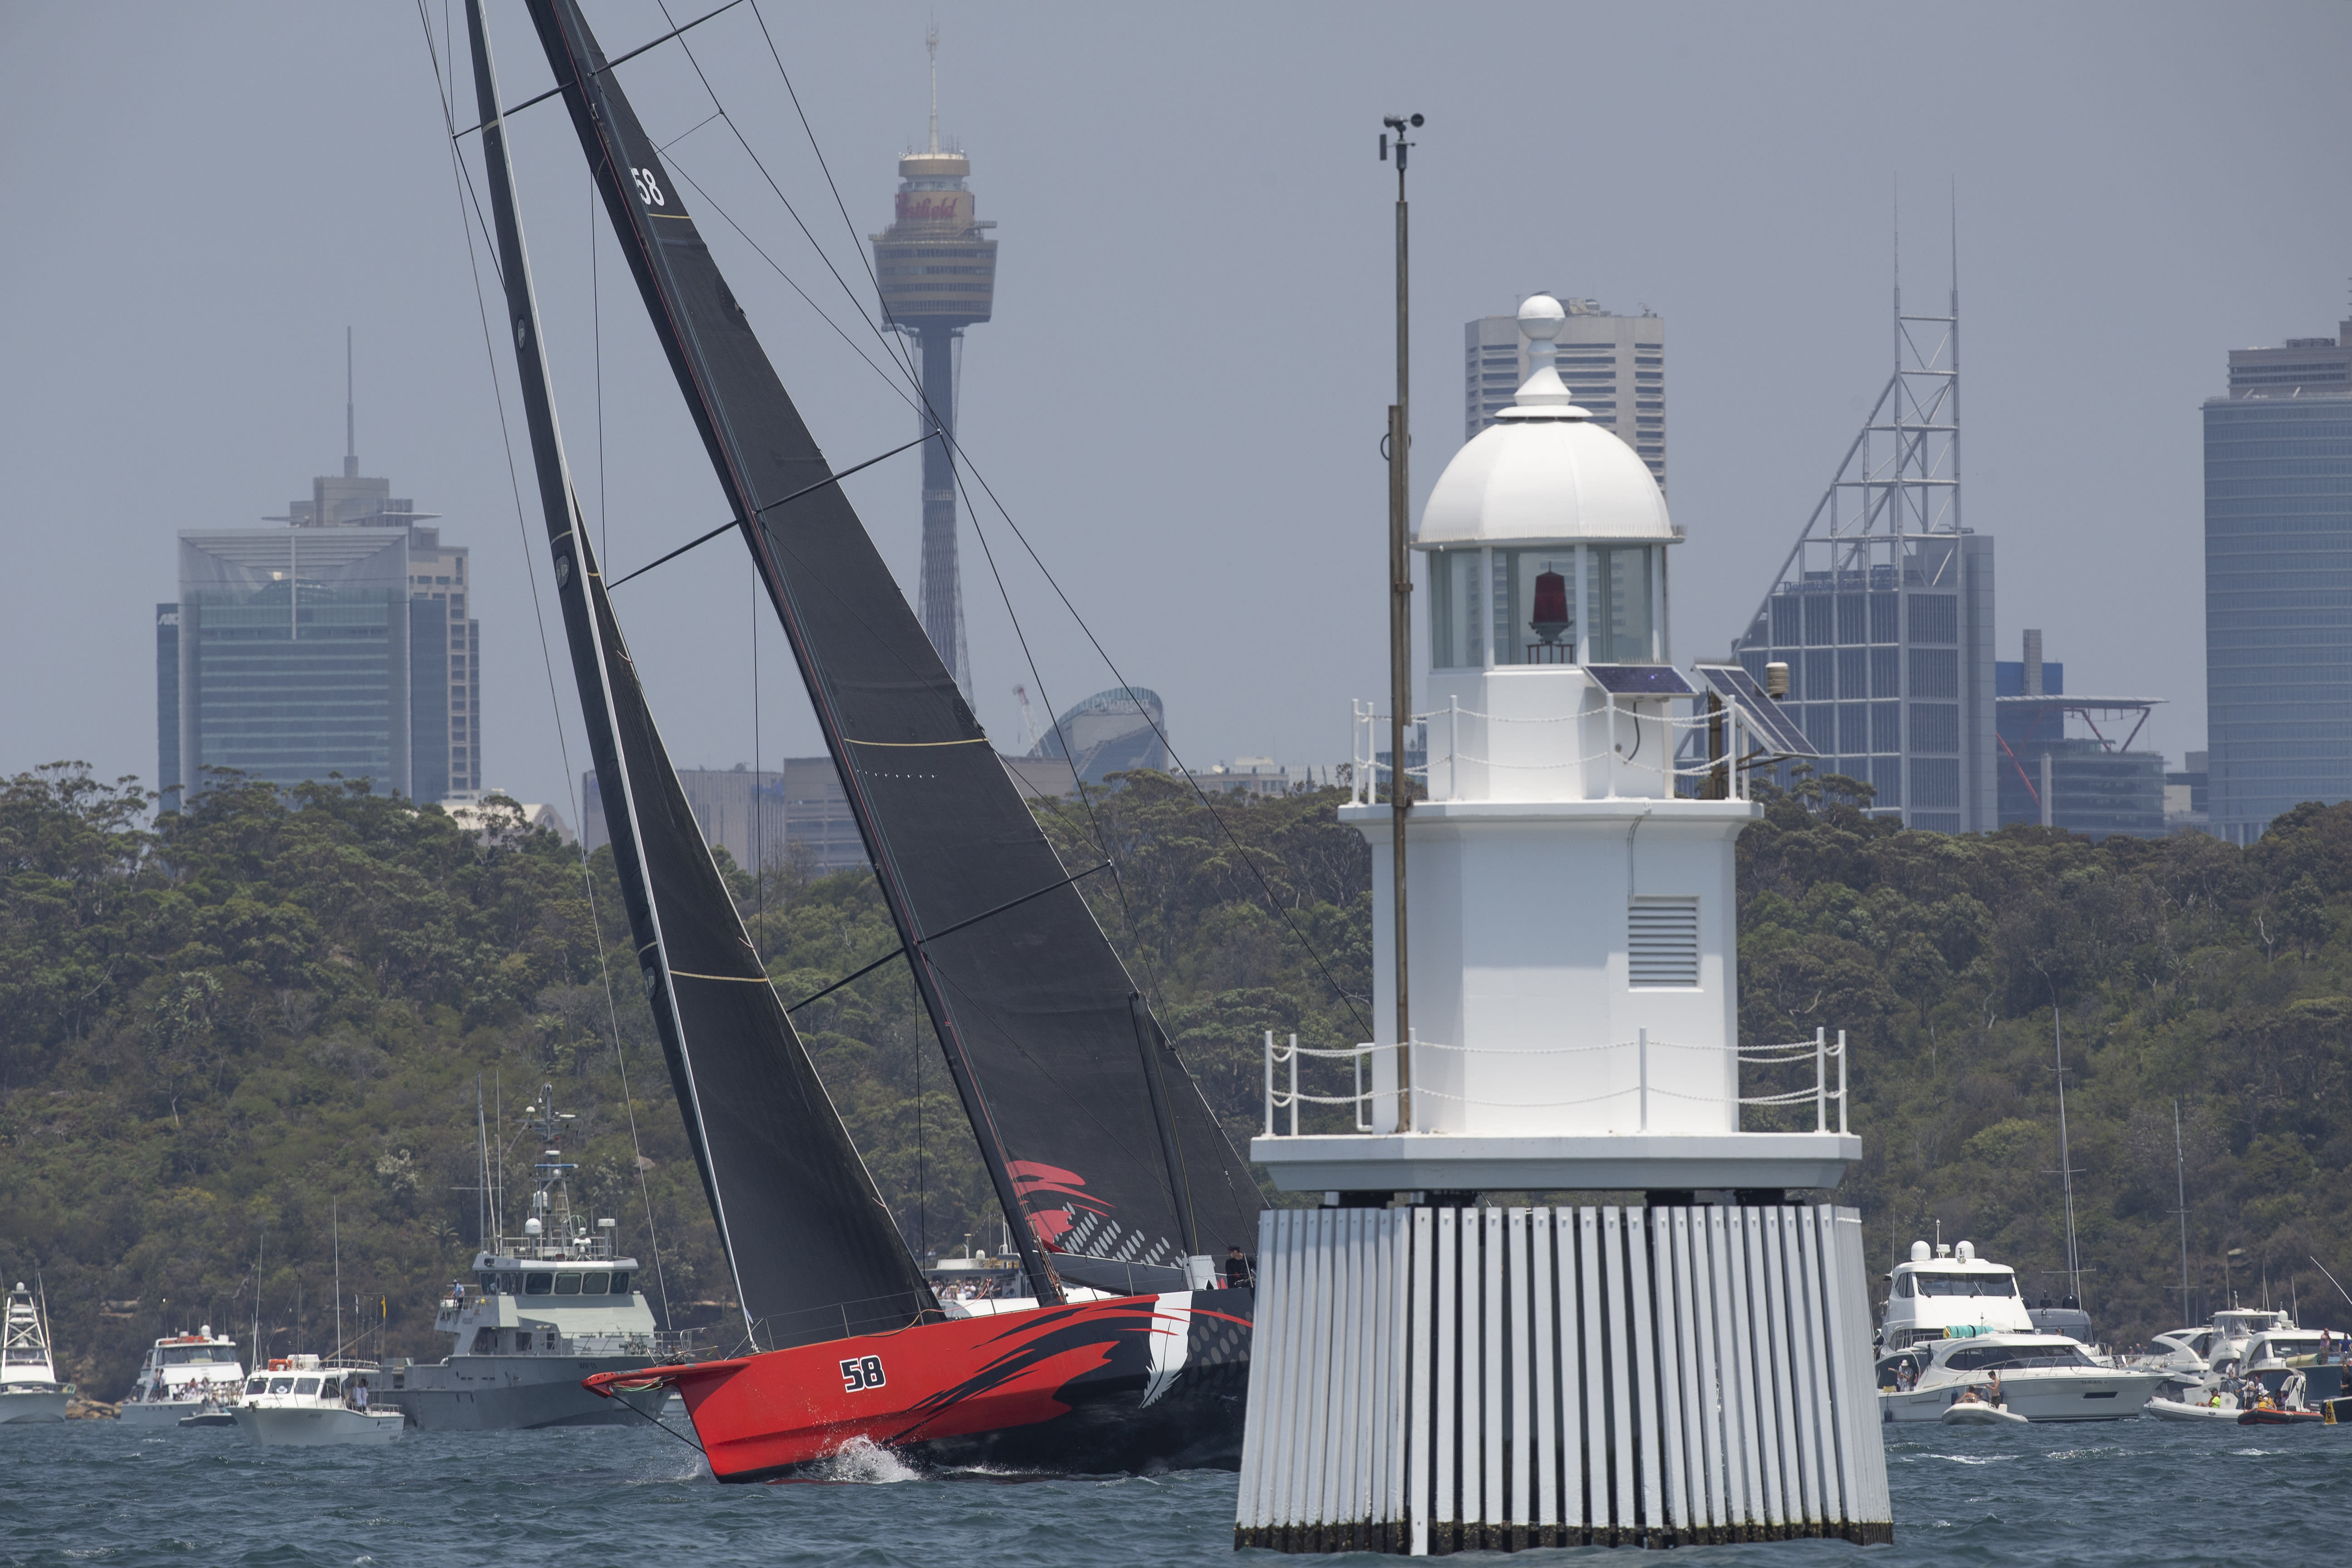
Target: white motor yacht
{"points": [[2042, 1377], [302, 1402], [1946, 1289], [29, 1389], [183, 1374], [2241, 1373]]}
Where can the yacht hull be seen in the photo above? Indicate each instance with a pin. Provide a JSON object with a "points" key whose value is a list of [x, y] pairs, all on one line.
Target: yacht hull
{"points": [[159, 1412], [2055, 1393], [511, 1393], [28, 1405], [269, 1427], [2176, 1410], [1130, 1384]]}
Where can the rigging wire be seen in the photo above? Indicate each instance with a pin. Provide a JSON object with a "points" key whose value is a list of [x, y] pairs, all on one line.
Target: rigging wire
{"points": [[963, 461], [514, 481]]}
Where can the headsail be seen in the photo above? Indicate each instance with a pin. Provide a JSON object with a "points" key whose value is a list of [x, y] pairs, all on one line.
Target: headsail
{"points": [[1036, 1015], [814, 1252]]}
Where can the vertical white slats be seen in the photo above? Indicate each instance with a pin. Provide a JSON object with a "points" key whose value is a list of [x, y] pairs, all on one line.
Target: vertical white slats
{"points": [[1251, 1510], [1859, 1436], [1493, 1344], [1599, 1508], [1286, 1287], [1723, 1383], [1623, 1505], [1344, 1227], [1772, 1352], [1305, 1329], [1707, 1377], [1801, 1365], [1759, 1475], [1473, 1378], [1821, 1418], [1574, 1513], [1546, 1305], [1642, 1406], [1674, 1358], [1444, 1510], [1420, 1333], [1519, 1455], [1699, 1441], [1380, 1394], [1317, 1393]]}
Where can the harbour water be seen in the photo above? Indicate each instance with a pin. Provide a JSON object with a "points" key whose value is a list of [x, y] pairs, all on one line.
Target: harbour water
{"points": [[2129, 1492]]}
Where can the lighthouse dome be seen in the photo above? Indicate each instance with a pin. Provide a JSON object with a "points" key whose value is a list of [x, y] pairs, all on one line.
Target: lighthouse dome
{"points": [[1543, 472]]}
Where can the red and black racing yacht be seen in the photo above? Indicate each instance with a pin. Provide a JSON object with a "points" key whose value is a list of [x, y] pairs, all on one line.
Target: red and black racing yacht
{"points": [[1118, 1182]]}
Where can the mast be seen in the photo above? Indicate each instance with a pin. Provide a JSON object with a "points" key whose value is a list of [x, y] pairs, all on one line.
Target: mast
{"points": [[2180, 1175], [812, 1239], [2066, 1164], [1399, 451]]}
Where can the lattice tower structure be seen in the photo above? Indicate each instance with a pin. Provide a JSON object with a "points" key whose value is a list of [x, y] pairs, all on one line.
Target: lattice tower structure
{"points": [[1884, 609]]}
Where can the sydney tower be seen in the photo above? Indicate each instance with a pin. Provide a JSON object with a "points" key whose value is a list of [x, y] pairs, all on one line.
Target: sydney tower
{"points": [[937, 273]]}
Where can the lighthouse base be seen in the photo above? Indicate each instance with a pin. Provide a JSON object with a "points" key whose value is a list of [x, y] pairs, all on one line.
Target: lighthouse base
{"points": [[1430, 1381]]}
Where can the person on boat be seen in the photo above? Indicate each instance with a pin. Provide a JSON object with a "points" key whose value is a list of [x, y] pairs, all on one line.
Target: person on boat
{"points": [[1903, 1377], [359, 1395], [1239, 1275], [1968, 1397], [1993, 1394]]}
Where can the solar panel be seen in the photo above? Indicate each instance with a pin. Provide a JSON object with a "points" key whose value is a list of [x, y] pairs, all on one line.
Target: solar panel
{"points": [[1641, 679], [1772, 726]]}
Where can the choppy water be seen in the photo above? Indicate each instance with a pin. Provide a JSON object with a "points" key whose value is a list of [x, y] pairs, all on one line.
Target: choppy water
{"points": [[90, 1491]]}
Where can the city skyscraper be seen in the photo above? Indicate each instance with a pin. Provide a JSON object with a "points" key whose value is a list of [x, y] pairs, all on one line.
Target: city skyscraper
{"points": [[1884, 610], [1614, 366], [338, 644], [937, 273], [2278, 538]]}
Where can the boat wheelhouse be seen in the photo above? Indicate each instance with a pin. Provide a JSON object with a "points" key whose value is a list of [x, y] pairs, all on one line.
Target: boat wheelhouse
{"points": [[183, 1374], [29, 1389], [1949, 1288]]}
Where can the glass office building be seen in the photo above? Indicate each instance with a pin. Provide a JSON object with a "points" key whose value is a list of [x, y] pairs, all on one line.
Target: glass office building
{"points": [[2278, 584], [1889, 645], [339, 644]]}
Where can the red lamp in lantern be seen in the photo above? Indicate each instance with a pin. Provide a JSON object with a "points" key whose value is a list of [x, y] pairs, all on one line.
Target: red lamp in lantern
{"points": [[1552, 617]]}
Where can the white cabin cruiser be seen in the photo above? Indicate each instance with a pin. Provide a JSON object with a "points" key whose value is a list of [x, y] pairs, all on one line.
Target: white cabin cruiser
{"points": [[542, 1311], [29, 1389], [2042, 1377], [183, 1374], [302, 1402], [1949, 1288]]}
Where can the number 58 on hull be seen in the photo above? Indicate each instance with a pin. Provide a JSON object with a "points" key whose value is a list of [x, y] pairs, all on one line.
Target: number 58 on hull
{"points": [[1134, 1384]]}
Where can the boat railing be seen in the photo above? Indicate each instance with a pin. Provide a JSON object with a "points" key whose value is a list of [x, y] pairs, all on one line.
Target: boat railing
{"points": [[1829, 1078]]}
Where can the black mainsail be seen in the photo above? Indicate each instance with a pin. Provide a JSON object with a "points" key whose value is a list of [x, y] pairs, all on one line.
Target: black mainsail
{"points": [[814, 1252], [1099, 1142]]}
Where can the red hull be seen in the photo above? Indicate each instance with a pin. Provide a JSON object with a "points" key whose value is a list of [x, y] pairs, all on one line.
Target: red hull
{"points": [[1137, 1384]]}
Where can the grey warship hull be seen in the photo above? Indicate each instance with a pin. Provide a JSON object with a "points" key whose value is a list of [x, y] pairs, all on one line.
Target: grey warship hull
{"points": [[512, 1392]]}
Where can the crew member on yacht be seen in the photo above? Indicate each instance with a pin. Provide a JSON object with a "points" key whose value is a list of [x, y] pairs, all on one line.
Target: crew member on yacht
{"points": [[1239, 1275]]}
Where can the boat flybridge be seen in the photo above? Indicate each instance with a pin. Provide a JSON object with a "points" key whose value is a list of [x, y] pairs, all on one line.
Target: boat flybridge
{"points": [[541, 1311], [2193, 1354], [29, 1389], [183, 1374], [1948, 1287]]}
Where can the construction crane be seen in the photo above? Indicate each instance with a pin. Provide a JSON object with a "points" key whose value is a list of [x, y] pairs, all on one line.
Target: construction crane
{"points": [[1028, 718]]}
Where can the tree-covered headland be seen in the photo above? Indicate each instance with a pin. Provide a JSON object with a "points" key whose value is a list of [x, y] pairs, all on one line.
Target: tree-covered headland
{"points": [[230, 1035]]}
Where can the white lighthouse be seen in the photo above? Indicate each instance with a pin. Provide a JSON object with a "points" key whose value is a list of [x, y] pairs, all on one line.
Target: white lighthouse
{"points": [[1432, 1375]]}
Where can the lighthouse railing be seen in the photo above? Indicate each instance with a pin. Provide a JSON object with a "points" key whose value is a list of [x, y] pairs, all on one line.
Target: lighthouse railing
{"points": [[1694, 777], [1282, 1062]]}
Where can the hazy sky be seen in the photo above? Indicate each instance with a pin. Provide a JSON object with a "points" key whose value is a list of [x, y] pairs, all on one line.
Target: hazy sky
{"points": [[1181, 396]]}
